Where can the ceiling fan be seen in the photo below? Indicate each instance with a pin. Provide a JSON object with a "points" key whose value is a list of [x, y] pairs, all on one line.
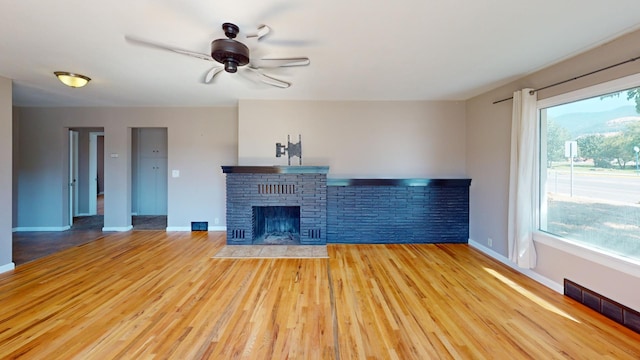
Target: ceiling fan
{"points": [[233, 54]]}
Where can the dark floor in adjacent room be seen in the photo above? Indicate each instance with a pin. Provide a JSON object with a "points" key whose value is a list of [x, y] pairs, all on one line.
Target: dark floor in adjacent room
{"points": [[31, 245]]}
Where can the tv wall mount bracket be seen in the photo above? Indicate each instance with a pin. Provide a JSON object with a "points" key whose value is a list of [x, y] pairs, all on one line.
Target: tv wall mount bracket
{"points": [[290, 149]]}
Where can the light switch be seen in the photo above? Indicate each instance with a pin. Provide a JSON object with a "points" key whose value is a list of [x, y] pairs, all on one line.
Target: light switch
{"points": [[114, 155], [175, 173]]}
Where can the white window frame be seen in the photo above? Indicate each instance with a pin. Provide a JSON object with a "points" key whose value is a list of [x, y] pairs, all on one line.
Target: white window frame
{"points": [[620, 263]]}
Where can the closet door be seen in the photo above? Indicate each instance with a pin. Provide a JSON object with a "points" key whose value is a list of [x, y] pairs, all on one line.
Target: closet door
{"points": [[152, 142], [148, 187], [161, 186], [152, 171]]}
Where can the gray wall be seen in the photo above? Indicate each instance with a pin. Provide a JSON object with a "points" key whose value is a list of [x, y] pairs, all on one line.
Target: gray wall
{"points": [[200, 141], [6, 171], [487, 157], [359, 139], [16, 132]]}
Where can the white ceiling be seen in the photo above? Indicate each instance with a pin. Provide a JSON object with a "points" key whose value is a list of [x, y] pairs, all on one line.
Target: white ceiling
{"points": [[359, 49]]}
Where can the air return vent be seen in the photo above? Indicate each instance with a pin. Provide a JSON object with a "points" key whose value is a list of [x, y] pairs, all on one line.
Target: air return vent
{"points": [[605, 306], [199, 226], [315, 234], [237, 234]]}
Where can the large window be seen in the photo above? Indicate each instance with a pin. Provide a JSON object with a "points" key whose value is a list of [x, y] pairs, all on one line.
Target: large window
{"points": [[590, 171]]}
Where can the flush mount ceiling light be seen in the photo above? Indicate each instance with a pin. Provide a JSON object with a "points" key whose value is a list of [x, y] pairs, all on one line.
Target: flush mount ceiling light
{"points": [[71, 79]]}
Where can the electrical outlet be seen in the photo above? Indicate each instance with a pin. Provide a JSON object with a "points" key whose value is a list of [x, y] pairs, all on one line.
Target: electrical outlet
{"points": [[216, 221], [490, 242]]}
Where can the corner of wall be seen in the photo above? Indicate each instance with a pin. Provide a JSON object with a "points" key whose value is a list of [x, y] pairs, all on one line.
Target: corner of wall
{"points": [[527, 272]]}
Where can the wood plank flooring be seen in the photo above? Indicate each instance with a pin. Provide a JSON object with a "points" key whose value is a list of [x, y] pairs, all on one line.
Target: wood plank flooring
{"points": [[32, 245], [153, 294]]}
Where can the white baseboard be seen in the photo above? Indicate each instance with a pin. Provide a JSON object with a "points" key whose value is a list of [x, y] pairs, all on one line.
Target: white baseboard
{"points": [[7, 267], [118, 229], [41, 228], [83, 214], [188, 228], [178, 228], [527, 272]]}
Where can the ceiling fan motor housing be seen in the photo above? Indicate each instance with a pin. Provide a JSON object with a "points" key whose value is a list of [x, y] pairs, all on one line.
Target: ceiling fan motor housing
{"points": [[231, 53]]}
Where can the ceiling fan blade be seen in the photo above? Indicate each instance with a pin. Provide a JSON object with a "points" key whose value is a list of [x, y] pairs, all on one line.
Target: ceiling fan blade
{"points": [[269, 80], [137, 41], [258, 75], [281, 62], [263, 30], [210, 75]]}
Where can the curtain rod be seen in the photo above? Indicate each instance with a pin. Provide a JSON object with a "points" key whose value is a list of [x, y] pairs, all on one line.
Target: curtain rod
{"points": [[574, 78]]}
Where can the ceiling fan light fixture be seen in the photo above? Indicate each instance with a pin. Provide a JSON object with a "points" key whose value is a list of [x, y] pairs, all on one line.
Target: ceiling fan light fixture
{"points": [[230, 66], [71, 79]]}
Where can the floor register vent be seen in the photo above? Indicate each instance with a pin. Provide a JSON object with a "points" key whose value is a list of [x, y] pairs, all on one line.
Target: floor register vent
{"points": [[199, 226], [605, 306]]}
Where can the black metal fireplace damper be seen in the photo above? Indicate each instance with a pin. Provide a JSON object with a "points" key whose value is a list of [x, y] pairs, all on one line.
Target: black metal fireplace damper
{"points": [[276, 225]]}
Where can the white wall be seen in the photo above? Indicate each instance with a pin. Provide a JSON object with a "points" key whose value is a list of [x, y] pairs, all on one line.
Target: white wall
{"points": [[487, 155], [200, 141], [6, 171], [358, 139]]}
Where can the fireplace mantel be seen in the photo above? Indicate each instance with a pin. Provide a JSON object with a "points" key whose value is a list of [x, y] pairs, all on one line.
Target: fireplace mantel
{"points": [[400, 182], [237, 169]]}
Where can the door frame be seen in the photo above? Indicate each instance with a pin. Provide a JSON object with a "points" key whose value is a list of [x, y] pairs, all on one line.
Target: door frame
{"points": [[73, 174], [93, 171]]}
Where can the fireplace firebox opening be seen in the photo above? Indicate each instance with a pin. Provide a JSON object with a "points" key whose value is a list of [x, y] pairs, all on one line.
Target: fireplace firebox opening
{"points": [[276, 225]]}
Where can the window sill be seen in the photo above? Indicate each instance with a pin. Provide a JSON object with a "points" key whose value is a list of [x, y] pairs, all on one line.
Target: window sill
{"points": [[626, 265]]}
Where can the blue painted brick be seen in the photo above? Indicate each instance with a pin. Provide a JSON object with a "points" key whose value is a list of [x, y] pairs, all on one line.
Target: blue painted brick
{"points": [[397, 214]]}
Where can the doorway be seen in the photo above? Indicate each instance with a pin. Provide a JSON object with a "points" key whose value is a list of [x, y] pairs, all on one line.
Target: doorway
{"points": [[149, 178], [86, 173]]}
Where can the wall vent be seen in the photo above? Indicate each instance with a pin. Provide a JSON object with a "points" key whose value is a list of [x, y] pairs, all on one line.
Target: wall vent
{"points": [[314, 234], [199, 226], [605, 306], [277, 189], [237, 234]]}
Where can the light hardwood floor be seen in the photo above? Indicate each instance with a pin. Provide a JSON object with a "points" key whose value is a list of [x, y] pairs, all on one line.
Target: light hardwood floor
{"points": [[152, 294]]}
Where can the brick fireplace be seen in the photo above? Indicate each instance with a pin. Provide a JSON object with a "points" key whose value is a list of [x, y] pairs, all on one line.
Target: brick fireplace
{"points": [[299, 205], [276, 204]]}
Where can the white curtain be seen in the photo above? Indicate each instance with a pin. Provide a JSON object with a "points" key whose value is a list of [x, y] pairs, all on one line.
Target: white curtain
{"points": [[523, 179]]}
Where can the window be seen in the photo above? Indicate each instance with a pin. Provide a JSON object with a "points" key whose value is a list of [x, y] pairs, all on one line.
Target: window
{"points": [[589, 168]]}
